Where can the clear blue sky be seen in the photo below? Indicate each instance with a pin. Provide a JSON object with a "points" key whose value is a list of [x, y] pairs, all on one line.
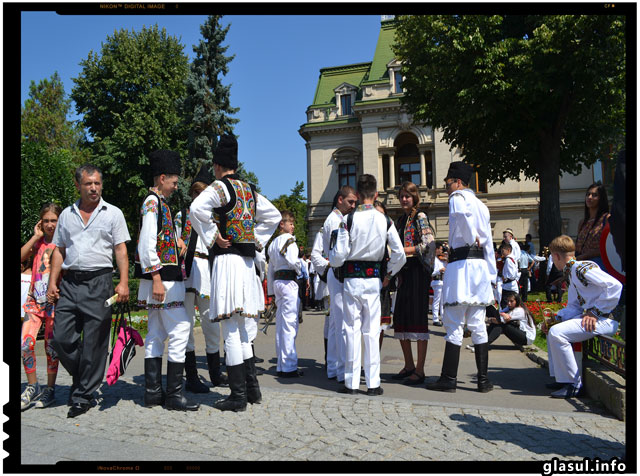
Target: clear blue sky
{"points": [[273, 76]]}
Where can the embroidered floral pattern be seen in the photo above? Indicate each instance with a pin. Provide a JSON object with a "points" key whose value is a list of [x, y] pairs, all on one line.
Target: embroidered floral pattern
{"points": [[581, 271], [238, 310], [357, 269], [240, 220], [219, 189], [170, 305], [150, 206]]}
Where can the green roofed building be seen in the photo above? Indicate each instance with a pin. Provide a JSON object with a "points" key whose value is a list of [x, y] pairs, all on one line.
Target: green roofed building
{"points": [[357, 125]]}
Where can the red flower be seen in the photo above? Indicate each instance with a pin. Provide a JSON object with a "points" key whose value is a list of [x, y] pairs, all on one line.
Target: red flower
{"points": [[369, 271]]}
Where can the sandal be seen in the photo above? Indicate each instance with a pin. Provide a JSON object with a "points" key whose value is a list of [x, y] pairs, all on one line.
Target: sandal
{"points": [[403, 374], [409, 381]]}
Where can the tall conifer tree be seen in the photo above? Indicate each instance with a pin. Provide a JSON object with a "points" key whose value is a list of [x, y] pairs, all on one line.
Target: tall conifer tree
{"points": [[207, 107]]}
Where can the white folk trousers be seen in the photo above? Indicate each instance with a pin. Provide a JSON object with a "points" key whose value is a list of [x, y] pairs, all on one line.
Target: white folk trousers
{"points": [[562, 360], [211, 330], [362, 323], [436, 306], [454, 319], [336, 337], [237, 346], [288, 304], [173, 324]]}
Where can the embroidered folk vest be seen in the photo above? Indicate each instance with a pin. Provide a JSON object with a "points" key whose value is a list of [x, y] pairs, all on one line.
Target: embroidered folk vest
{"points": [[236, 219], [166, 245]]}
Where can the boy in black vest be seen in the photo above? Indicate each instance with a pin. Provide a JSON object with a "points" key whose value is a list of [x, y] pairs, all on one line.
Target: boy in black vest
{"points": [[161, 288]]}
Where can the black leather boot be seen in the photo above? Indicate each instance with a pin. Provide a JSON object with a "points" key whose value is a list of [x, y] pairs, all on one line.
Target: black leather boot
{"points": [[193, 385], [447, 381], [482, 363], [237, 401], [153, 392], [258, 360], [218, 379], [175, 398], [326, 343], [253, 388]]}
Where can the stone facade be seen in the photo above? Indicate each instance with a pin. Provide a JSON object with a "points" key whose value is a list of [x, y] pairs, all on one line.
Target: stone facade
{"points": [[356, 125]]}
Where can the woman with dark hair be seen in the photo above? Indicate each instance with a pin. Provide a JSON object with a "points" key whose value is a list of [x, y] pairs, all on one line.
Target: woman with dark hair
{"points": [[596, 214], [514, 321], [412, 300]]}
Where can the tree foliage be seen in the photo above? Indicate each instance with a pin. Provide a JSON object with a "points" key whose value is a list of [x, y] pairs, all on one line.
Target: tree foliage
{"points": [[45, 176], [43, 118], [296, 203], [533, 94], [129, 95]]}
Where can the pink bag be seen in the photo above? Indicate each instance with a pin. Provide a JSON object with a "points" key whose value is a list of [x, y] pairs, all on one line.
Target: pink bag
{"points": [[123, 350]]}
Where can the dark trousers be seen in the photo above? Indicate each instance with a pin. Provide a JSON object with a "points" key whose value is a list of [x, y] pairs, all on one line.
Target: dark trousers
{"points": [[524, 283], [512, 331], [81, 332]]}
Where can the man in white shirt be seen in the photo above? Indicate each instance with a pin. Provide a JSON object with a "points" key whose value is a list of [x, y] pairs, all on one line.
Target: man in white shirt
{"points": [[87, 235], [509, 274], [345, 202], [593, 294], [468, 278], [508, 237], [359, 248]]}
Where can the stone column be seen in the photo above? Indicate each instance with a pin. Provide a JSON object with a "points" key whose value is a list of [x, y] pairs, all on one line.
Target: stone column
{"points": [[392, 169], [423, 169]]}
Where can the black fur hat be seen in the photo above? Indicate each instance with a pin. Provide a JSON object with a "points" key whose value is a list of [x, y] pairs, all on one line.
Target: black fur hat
{"points": [[226, 153], [460, 170], [164, 162], [203, 176]]}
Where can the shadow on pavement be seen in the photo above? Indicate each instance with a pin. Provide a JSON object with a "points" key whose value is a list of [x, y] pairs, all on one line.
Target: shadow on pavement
{"points": [[538, 439]]}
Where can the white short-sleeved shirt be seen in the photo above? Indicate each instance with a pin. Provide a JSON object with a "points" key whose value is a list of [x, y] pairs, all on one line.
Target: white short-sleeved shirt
{"points": [[90, 247]]}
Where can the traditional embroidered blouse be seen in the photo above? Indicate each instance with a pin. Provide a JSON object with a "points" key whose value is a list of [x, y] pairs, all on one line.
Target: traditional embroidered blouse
{"points": [[589, 233]]}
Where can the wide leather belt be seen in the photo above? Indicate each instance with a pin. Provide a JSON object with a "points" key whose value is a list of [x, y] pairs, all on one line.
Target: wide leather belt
{"points": [[79, 276], [466, 252], [285, 275]]}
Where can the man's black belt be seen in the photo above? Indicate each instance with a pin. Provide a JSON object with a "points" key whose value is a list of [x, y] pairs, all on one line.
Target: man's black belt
{"points": [[362, 269], [285, 274], [466, 252], [79, 276]]}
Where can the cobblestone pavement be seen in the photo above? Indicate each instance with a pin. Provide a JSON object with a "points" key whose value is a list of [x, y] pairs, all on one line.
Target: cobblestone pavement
{"points": [[306, 420], [304, 425]]}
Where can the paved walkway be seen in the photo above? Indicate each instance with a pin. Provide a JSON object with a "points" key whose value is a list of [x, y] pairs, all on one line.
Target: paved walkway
{"points": [[306, 420]]}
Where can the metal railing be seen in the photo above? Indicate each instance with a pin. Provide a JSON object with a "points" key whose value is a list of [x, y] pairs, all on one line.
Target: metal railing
{"points": [[609, 352]]}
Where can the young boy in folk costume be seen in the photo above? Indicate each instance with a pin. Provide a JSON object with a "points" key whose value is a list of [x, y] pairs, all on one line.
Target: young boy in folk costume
{"points": [[161, 288], [508, 275], [344, 202], [439, 265], [593, 294], [197, 263], [360, 247], [244, 222], [284, 267]]}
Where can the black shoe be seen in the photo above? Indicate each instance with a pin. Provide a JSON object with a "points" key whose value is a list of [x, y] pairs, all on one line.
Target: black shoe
{"points": [[350, 391], [372, 392], [555, 385], [78, 409], [438, 323], [447, 381], [175, 399], [568, 391], [193, 384], [410, 382], [292, 374], [333, 378], [403, 374]]}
